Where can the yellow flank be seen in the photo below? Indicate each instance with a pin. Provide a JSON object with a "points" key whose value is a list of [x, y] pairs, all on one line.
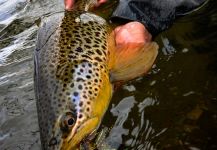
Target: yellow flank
{"points": [[102, 101]]}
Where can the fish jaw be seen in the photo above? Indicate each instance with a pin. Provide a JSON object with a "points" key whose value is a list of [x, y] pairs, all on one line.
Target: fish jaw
{"points": [[83, 131]]}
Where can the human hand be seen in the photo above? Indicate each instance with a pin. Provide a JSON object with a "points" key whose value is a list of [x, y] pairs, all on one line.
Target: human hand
{"points": [[132, 33]]}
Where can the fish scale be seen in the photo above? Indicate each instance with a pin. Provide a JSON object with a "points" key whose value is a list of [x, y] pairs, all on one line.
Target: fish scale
{"points": [[70, 68]]}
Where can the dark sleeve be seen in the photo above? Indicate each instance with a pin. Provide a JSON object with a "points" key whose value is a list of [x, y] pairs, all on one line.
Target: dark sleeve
{"points": [[156, 15]]}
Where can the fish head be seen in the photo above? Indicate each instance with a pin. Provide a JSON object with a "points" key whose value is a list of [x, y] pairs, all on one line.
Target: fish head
{"points": [[69, 131]]}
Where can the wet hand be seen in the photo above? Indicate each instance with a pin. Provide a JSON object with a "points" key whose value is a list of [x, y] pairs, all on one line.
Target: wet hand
{"points": [[132, 33]]}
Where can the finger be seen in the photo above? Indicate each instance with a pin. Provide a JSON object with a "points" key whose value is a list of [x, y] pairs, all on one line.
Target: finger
{"points": [[69, 4]]}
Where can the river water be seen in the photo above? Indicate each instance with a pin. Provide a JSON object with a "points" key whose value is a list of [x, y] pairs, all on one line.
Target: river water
{"points": [[173, 107]]}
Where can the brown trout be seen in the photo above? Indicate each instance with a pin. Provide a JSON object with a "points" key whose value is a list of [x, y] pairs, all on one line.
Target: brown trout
{"points": [[76, 65]]}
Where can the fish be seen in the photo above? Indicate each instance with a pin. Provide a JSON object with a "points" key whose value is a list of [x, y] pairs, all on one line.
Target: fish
{"points": [[76, 65]]}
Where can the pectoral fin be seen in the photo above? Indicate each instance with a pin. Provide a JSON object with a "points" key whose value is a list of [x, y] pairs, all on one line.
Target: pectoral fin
{"points": [[132, 61]]}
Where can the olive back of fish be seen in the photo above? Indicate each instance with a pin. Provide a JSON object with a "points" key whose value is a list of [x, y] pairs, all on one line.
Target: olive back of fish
{"points": [[70, 67]]}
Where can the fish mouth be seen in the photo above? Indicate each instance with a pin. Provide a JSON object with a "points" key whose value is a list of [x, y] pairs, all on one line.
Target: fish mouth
{"points": [[82, 131]]}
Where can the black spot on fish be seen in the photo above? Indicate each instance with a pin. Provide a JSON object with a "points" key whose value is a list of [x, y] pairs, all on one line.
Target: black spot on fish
{"points": [[88, 33], [72, 85], [81, 104], [95, 45], [62, 55], [78, 39], [80, 87], [87, 46], [98, 52], [95, 64], [103, 47], [68, 35], [74, 31], [88, 76], [98, 28], [89, 29], [84, 96], [77, 27], [87, 40], [73, 42], [85, 56], [80, 79], [75, 94], [90, 52], [97, 42], [62, 51], [97, 33], [98, 59], [77, 35], [90, 65], [79, 49], [90, 22], [72, 71], [71, 56]]}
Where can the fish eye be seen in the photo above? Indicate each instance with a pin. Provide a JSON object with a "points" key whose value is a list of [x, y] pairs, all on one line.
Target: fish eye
{"points": [[67, 121], [70, 121]]}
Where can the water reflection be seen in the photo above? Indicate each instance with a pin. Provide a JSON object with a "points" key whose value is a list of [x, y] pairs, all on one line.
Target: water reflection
{"points": [[143, 132], [121, 111]]}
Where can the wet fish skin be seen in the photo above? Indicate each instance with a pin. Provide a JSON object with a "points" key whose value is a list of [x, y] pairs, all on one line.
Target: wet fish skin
{"points": [[72, 83]]}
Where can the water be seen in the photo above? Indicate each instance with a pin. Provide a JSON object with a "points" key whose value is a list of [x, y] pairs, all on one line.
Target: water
{"points": [[173, 107]]}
